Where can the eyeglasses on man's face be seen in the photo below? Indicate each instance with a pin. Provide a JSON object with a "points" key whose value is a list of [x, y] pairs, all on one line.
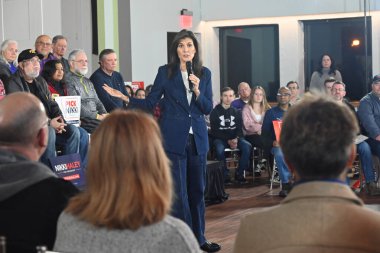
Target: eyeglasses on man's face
{"points": [[44, 44], [81, 61], [33, 61], [283, 94]]}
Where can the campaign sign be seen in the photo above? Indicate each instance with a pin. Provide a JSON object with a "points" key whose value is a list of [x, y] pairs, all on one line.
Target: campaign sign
{"points": [[70, 107], [69, 168], [135, 85]]}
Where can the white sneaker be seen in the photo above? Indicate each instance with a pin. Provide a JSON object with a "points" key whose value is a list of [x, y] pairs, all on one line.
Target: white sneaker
{"points": [[276, 179]]}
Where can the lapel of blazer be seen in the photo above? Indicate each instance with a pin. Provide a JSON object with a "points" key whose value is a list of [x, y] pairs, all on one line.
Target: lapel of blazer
{"points": [[183, 92]]}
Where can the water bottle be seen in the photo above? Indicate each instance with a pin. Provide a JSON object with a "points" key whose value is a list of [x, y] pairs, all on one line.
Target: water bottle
{"points": [[41, 249], [2, 244]]}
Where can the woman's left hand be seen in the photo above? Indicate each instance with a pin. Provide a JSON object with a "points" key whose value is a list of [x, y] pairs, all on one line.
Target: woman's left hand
{"points": [[196, 81]]}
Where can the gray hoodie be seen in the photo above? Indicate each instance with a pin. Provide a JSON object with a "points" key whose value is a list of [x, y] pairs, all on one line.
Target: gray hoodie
{"points": [[18, 173]]}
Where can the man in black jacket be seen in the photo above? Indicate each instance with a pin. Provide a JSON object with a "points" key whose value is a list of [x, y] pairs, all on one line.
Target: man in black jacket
{"points": [[31, 195], [227, 132], [27, 79]]}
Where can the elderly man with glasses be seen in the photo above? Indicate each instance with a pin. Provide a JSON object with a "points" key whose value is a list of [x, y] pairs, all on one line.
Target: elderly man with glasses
{"points": [[43, 46], [338, 92], [271, 143], [92, 109]]}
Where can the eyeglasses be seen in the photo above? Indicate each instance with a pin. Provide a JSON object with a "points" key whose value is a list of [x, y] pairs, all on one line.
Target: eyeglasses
{"points": [[33, 61], [45, 44], [81, 61], [283, 95]]}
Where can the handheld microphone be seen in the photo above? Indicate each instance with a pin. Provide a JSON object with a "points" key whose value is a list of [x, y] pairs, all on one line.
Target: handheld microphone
{"points": [[189, 69]]}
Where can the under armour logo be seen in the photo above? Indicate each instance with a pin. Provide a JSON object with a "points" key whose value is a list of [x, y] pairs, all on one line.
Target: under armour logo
{"points": [[223, 121]]}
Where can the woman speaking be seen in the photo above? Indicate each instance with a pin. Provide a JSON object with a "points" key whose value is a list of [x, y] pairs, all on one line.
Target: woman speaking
{"points": [[186, 95]]}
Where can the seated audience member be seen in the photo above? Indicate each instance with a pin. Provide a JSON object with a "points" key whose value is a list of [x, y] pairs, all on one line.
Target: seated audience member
{"points": [[328, 85], [226, 132], [27, 79], [148, 89], [31, 195], [92, 109], [8, 59], [129, 89], [43, 46], [321, 213], [54, 74], [338, 92], [269, 138], [295, 92], [369, 115], [59, 47], [253, 115], [107, 75], [128, 197], [244, 91], [140, 94]]}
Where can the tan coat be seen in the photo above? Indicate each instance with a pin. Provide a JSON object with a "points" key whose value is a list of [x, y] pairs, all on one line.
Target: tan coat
{"points": [[315, 217]]}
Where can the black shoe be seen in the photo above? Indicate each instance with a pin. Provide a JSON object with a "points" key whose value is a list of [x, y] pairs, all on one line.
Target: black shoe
{"points": [[248, 173], [372, 189], [285, 190], [225, 196], [210, 247], [240, 179], [227, 182]]}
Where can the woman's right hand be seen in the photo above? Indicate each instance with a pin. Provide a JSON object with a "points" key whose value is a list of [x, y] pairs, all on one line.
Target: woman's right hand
{"points": [[115, 93]]}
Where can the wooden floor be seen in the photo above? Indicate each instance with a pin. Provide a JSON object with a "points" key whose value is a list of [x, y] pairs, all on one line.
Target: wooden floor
{"points": [[222, 220]]}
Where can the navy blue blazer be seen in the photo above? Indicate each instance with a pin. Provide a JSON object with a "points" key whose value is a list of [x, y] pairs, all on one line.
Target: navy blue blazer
{"points": [[177, 115]]}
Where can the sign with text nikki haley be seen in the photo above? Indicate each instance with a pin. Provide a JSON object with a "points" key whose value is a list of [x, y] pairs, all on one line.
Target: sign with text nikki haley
{"points": [[69, 168], [70, 107]]}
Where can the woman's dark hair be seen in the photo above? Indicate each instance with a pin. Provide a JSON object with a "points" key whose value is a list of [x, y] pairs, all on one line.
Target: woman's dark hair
{"points": [[138, 90], [173, 56], [129, 90], [49, 70], [332, 67]]}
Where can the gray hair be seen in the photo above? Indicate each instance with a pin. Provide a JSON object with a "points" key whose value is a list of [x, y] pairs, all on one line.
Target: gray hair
{"points": [[4, 47], [58, 37], [74, 54]]}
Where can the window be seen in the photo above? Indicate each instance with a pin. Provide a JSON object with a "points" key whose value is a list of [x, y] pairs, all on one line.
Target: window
{"points": [[250, 54], [336, 38]]}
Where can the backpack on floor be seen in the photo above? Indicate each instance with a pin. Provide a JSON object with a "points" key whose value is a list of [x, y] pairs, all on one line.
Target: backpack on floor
{"points": [[214, 192]]}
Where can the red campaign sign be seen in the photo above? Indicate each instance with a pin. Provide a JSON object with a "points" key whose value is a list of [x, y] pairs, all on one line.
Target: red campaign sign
{"points": [[137, 85], [277, 124]]}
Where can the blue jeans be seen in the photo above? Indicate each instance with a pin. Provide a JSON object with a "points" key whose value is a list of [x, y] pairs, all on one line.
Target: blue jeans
{"points": [[189, 178], [245, 151], [83, 146], [365, 156], [50, 148], [69, 140], [283, 170]]}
